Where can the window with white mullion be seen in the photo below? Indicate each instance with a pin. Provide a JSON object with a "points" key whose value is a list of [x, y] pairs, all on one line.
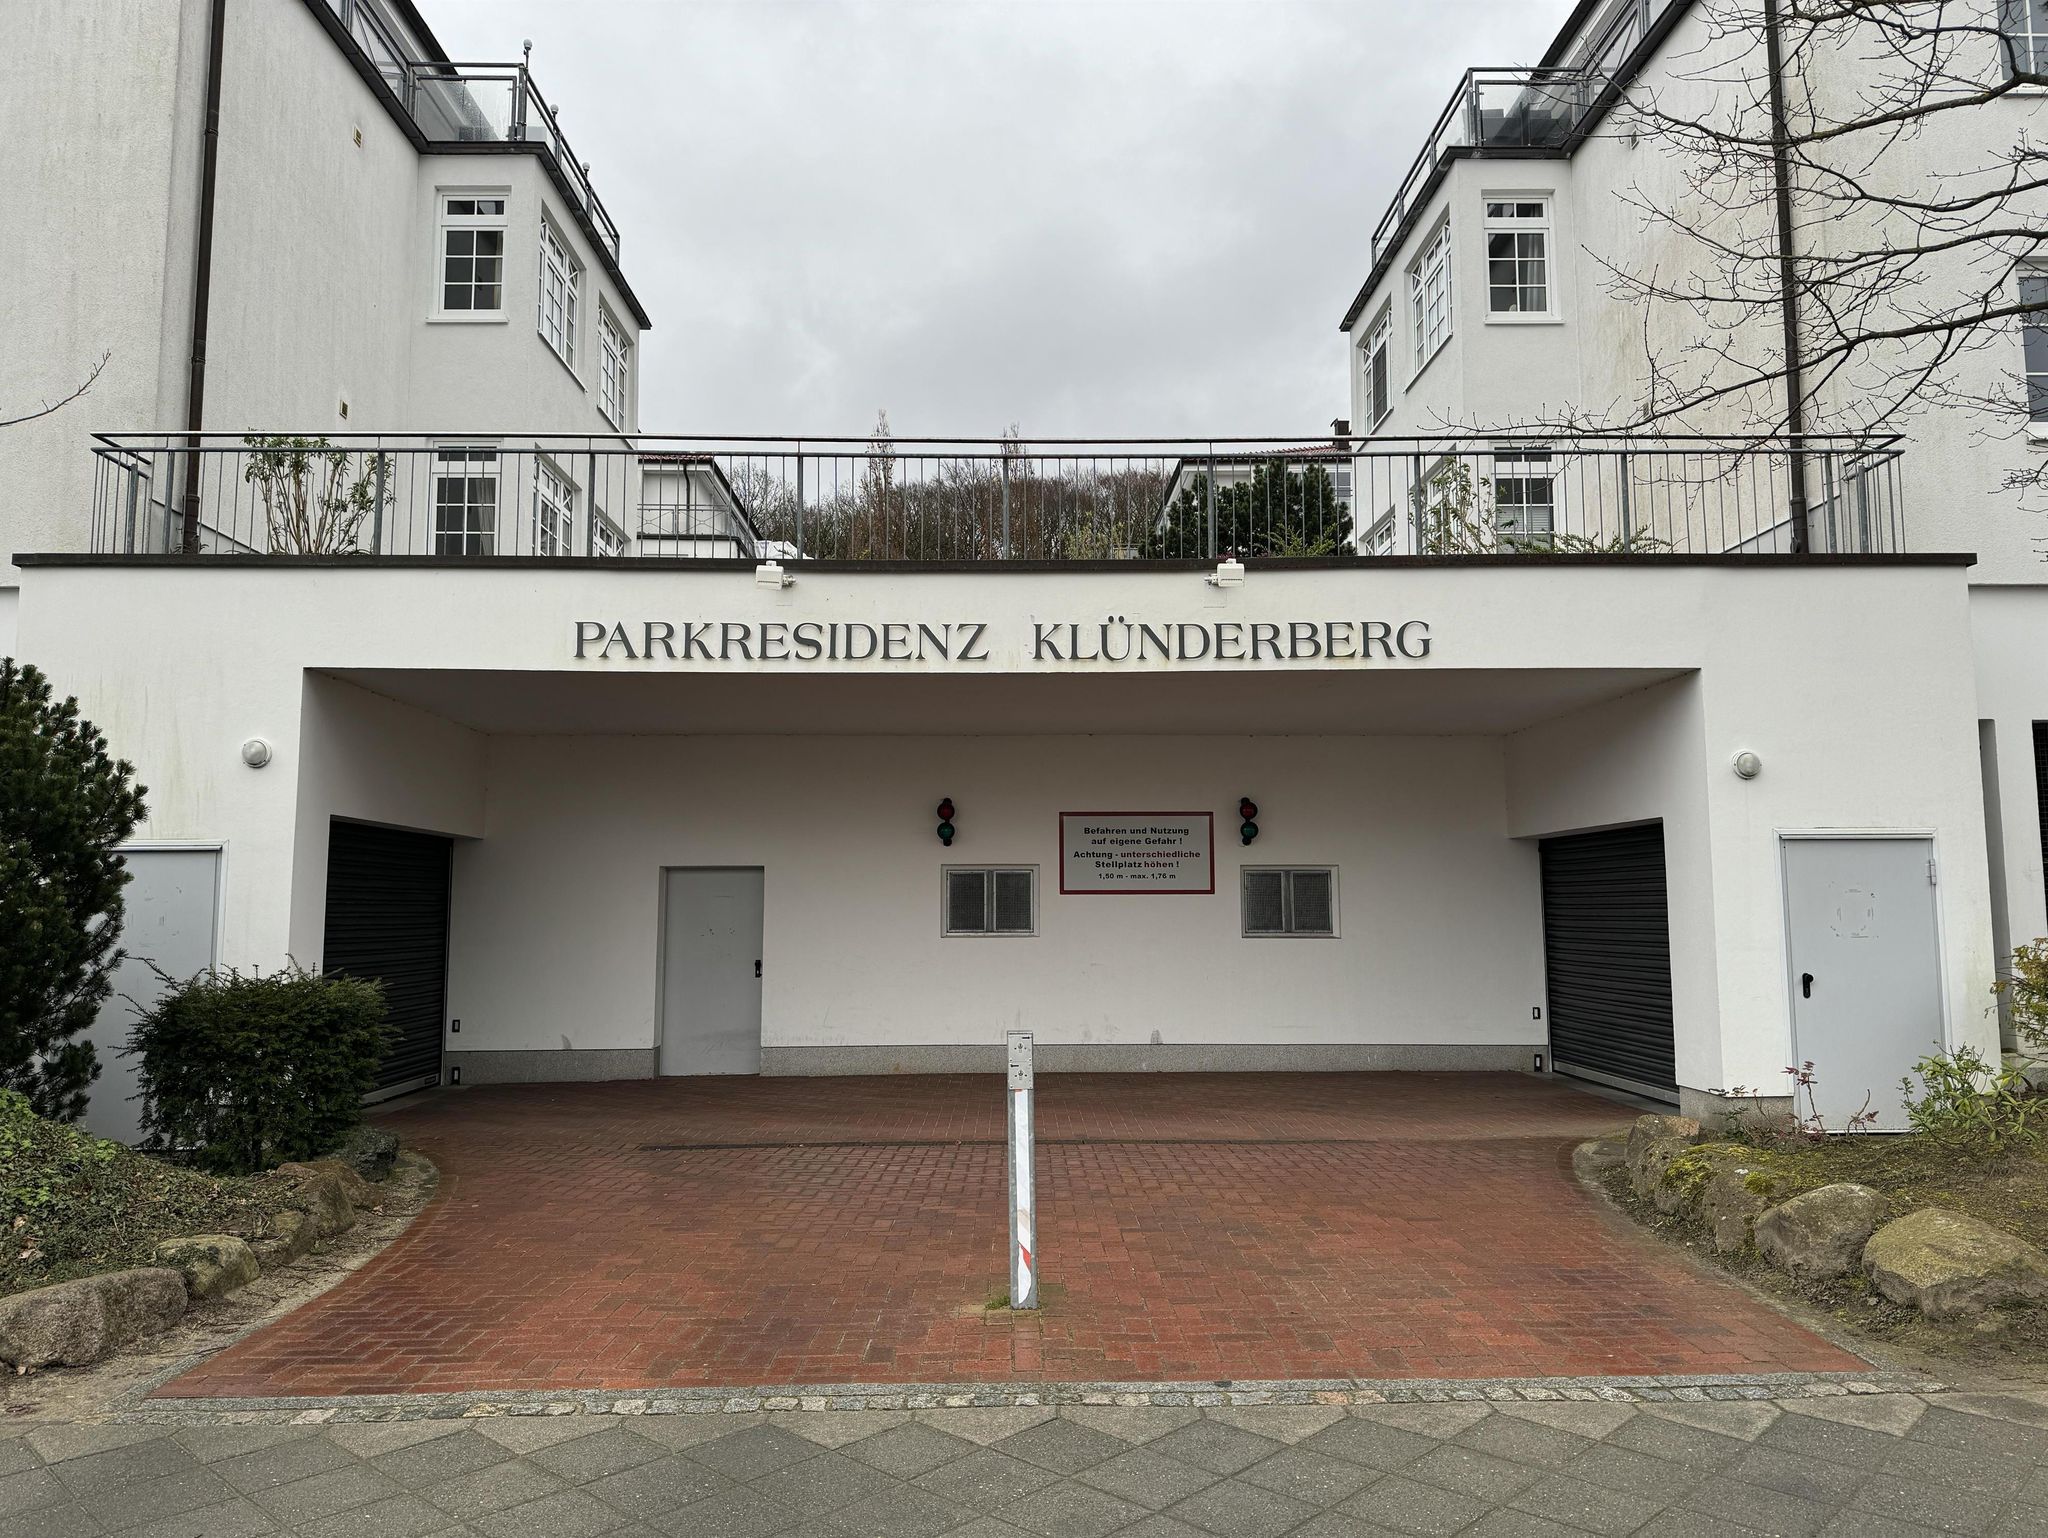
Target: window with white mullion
{"points": [[465, 500], [554, 511], [990, 900], [1518, 256], [560, 278], [1379, 399], [614, 352], [1288, 901], [2034, 347], [471, 282], [1429, 288], [2024, 26]]}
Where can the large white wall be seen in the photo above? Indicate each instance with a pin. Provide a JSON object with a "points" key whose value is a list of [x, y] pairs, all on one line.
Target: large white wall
{"points": [[557, 922], [1844, 678]]}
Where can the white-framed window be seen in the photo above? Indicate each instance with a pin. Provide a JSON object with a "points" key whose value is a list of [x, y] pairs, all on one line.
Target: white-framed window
{"points": [[1525, 495], [554, 510], [990, 900], [1289, 901], [614, 364], [471, 281], [465, 499], [1518, 256], [1374, 358], [1429, 292], [606, 537], [2034, 347], [561, 281], [1379, 539], [2024, 25]]}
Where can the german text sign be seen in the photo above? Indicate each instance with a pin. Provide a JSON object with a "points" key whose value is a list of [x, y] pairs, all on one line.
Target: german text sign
{"points": [[1137, 852]]}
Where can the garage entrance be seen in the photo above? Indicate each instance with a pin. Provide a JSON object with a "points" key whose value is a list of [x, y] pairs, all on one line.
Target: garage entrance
{"points": [[387, 918], [1607, 959]]}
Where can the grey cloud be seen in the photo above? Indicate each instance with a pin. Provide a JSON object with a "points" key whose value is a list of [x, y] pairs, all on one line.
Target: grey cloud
{"points": [[1092, 219]]}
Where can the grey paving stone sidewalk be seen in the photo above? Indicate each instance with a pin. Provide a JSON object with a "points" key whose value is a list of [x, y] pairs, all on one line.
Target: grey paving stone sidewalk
{"points": [[1886, 1465]]}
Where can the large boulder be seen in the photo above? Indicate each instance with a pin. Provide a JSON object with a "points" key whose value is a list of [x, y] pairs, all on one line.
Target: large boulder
{"points": [[287, 1235], [323, 1197], [362, 1196], [213, 1265], [72, 1324], [1947, 1264], [1653, 1143], [1740, 1190], [369, 1151], [1820, 1233]]}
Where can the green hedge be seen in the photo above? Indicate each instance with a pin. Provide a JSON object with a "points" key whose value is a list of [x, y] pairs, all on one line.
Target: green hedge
{"points": [[239, 1073]]}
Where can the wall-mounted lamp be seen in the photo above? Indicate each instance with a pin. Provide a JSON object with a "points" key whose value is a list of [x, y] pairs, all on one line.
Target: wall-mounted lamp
{"points": [[1747, 765], [771, 574], [946, 829], [1229, 573], [255, 752]]}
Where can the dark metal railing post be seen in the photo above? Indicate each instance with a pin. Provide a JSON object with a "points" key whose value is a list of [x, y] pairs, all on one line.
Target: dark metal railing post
{"points": [[134, 496], [1212, 502], [377, 522], [1628, 527], [590, 508], [798, 542], [1006, 503], [516, 131]]}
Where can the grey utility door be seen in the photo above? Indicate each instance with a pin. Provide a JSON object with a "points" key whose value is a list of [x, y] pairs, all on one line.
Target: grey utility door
{"points": [[1865, 969], [171, 903], [711, 971]]}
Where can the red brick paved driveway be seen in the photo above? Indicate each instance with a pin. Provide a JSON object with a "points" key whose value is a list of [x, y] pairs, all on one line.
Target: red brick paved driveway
{"points": [[782, 1231]]}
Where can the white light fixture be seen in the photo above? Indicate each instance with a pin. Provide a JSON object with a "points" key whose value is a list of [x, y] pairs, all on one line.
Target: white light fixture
{"points": [[1747, 765], [771, 574], [255, 752], [1229, 573]]}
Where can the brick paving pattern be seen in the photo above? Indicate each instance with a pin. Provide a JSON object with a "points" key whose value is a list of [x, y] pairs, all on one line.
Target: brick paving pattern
{"points": [[1197, 1227], [1894, 1465]]}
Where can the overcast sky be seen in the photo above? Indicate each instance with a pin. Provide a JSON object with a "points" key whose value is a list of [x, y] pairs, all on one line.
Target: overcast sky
{"points": [[1092, 218]]}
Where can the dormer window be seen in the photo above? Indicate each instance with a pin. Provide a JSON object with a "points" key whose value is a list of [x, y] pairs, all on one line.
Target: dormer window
{"points": [[472, 252], [561, 280]]}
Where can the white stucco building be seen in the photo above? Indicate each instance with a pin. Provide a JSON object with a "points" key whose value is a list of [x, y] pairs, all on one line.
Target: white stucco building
{"points": [[616, 755], [1490, 301]]}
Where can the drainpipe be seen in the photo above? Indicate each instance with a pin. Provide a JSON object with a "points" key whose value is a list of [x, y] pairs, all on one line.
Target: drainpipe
{"points": [[1788, 274], [202, 277]]}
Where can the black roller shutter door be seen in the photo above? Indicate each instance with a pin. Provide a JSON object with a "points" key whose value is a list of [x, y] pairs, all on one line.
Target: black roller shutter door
{"points": [[2041, 787], [387, 918], [1607, 950]]}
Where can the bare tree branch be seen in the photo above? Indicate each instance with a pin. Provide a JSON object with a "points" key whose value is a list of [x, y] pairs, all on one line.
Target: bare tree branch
{"points": [[47, 407]]}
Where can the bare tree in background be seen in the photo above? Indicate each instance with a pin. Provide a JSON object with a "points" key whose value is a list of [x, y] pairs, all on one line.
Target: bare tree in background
{"points": [[1840, 220], [50, 407]]}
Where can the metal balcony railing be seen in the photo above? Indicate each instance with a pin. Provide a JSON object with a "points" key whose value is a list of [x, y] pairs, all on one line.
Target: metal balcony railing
{"points": [[954, 500], [471, 104]]}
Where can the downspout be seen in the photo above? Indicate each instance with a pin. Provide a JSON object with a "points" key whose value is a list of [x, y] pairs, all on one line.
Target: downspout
{"points": [[1788, 293], [202, 278]]}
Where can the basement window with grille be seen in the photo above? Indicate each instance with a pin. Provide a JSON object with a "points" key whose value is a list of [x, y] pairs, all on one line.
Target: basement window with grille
{"points": [[991, 900], [1290, 903]]}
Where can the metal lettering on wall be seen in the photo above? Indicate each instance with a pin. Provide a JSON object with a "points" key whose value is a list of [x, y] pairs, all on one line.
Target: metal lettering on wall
{"points": [[1117, 642]]}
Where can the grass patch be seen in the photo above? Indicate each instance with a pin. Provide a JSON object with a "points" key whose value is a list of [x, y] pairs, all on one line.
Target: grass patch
{"points": [[74, 1205], [1912, 1172]]}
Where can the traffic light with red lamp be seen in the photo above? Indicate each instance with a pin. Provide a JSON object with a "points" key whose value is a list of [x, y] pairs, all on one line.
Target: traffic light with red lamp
{"points": [[1248, 812], [946, 828]]}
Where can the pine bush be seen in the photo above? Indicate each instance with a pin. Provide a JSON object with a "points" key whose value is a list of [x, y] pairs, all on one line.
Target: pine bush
{"points": [[65, 807], [242, 1072]]}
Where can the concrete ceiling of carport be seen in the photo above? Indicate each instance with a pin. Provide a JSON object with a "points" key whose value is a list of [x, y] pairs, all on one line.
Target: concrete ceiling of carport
{"points": [[1408, 701]]}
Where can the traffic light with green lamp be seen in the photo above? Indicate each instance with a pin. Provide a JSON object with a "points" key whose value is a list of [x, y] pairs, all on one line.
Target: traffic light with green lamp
{"points": [[946, 828], [1248, 812]]}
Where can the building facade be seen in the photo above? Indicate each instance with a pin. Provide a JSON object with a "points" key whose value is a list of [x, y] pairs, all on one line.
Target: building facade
{"points": [[615, 755], [1504, 292]]}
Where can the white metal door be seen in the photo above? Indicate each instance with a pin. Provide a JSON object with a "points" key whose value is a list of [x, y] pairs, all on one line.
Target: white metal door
{"points": [[1866, 969], [711, 971], [170, 905]]}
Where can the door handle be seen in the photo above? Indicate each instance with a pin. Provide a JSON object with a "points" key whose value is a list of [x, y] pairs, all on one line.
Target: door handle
{"points": [[1805, 982], [757, 968]]}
